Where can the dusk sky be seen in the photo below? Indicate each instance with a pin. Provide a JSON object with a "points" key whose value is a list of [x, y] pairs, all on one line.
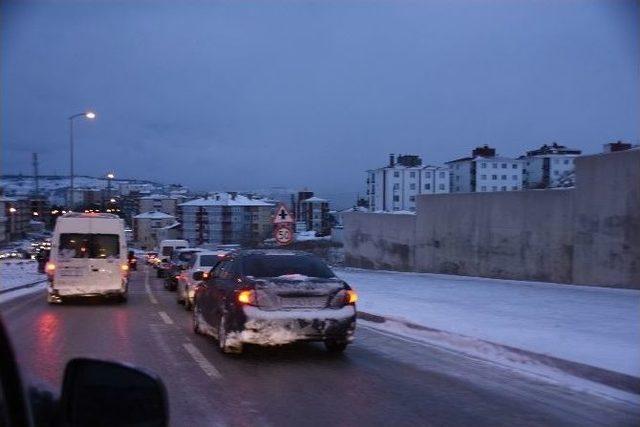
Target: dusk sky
{"points": [[239, 95]]}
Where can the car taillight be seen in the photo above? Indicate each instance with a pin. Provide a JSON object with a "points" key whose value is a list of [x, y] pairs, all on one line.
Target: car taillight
{"points": [[124, 268], [352, 296], [50, 267], [247, 297], [344, 297], [205, 275]]}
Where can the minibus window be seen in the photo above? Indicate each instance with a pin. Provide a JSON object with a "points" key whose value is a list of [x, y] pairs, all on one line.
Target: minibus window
{"points": [[167, 251], [74, 245]]}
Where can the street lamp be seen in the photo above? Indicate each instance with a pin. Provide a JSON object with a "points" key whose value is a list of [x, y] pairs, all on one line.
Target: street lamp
{"points": [[110, 177], [87, 115]]}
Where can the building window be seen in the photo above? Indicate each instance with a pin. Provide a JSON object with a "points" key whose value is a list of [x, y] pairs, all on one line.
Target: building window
{"points": [[412, 198], [483, 176], [427, 174], [514, 176], [503, 177], [494, 177], [514, 166], [556, 173], [504, 188], [515, 187], [412, 187], [396, 174], [566, 161], [396, 198], [494, 165], [457, 188], [483, 188], [504, 166], [483, 165], [441, 186], [412, 174], [457, 177], [396, 186], [441, 174], [494, 188], [427, 186]]}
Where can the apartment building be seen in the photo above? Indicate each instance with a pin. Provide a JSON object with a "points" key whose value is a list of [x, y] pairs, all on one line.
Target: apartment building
{"points": [[395, 187], [159, 202], [226, 218], [314, 213], [548, 166], [146, 227], [483, 172]]}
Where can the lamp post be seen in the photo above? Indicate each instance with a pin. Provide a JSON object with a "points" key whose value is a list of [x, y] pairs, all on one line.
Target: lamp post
{"points": [[110, 177], [87, 115]]}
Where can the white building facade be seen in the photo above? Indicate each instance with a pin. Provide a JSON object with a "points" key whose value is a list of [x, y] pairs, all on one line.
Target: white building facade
{"points": [[485, 172], [395, 187], [548, 166]]}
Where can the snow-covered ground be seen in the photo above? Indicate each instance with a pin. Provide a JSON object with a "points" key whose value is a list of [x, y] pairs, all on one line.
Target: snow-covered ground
{"points": [[591, 325], [17, 273]]}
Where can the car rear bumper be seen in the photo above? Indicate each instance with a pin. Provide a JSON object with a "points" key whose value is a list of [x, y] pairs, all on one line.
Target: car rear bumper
{"points": [[283, 327], [86, 291]]}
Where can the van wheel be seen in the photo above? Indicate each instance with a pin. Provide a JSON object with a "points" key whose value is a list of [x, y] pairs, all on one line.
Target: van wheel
{"points": [[52, 299], [223, 340]]}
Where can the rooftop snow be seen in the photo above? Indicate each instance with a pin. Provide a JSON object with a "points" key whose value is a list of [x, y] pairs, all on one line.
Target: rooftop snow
{"points": [[225, 199], [153, 215]]}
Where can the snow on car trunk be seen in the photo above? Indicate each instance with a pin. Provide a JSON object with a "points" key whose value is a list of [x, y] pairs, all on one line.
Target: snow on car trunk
{"points": [[295, 291]]}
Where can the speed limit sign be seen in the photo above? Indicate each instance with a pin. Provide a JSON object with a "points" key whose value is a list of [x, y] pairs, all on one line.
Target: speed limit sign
{"points": [[283, 234]]}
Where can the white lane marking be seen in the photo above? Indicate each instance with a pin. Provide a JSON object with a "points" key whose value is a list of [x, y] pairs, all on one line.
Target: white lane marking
{"points": [[165, 318], [147, 288], [202, 361]]}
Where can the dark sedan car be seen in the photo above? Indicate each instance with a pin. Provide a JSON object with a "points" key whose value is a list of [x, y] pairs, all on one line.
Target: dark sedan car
{"points": [[273, 297]]}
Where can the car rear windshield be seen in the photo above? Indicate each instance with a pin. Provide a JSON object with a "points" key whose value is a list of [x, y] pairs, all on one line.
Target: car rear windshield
{"points": [[208, 260], [281, 265], [76, 245]]}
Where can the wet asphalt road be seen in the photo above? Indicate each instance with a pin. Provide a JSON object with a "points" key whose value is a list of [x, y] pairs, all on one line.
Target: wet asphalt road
{"points": [[380, 380]]}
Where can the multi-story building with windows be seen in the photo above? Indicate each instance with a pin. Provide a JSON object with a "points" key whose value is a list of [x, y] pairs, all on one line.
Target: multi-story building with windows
{"points": [[483, 171], [159, 202], [548, 166], [314, 212], [226, 218], [146, 227], [396, 186]]}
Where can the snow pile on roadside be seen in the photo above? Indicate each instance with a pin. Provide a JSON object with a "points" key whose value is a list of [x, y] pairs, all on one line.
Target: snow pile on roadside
{"points": [[304, 236], [18, 273], [595, 326]]}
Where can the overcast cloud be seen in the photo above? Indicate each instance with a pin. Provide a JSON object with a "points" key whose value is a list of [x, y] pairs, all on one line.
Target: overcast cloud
{"points": [[240, 95]]}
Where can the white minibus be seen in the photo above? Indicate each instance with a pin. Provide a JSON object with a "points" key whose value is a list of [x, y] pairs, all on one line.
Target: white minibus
{"points": [[88, 257]]}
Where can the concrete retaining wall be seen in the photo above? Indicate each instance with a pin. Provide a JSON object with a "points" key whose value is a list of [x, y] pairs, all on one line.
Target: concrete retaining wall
{"points": [[586, 235], [607, 220], [516, 235], [379, 241]]}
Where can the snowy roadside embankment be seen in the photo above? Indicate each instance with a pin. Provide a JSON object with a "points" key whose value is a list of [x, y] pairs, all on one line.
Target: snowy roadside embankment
{"points": [[18, 274], [594, 326]]}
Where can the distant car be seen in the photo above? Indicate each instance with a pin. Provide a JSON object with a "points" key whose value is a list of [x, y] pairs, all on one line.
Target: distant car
{"points": [[176, 264], [202, 261], [273, 297]]}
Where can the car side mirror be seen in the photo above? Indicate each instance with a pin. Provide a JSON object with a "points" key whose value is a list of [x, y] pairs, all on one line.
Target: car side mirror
{"points": [[101, 393]]}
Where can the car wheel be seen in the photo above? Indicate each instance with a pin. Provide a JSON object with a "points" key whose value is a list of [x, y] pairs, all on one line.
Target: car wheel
{"points": [[335, 346], [223, 340], [52, 299], [123, 297], [196, 320]]}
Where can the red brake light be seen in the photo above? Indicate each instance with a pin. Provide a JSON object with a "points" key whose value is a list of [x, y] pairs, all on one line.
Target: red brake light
{"points": [[352, 296], [246, 297], [50, 267]]}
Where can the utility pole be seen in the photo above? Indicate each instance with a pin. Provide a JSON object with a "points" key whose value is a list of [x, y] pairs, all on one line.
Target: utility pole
{"points": [[35, 174]]}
